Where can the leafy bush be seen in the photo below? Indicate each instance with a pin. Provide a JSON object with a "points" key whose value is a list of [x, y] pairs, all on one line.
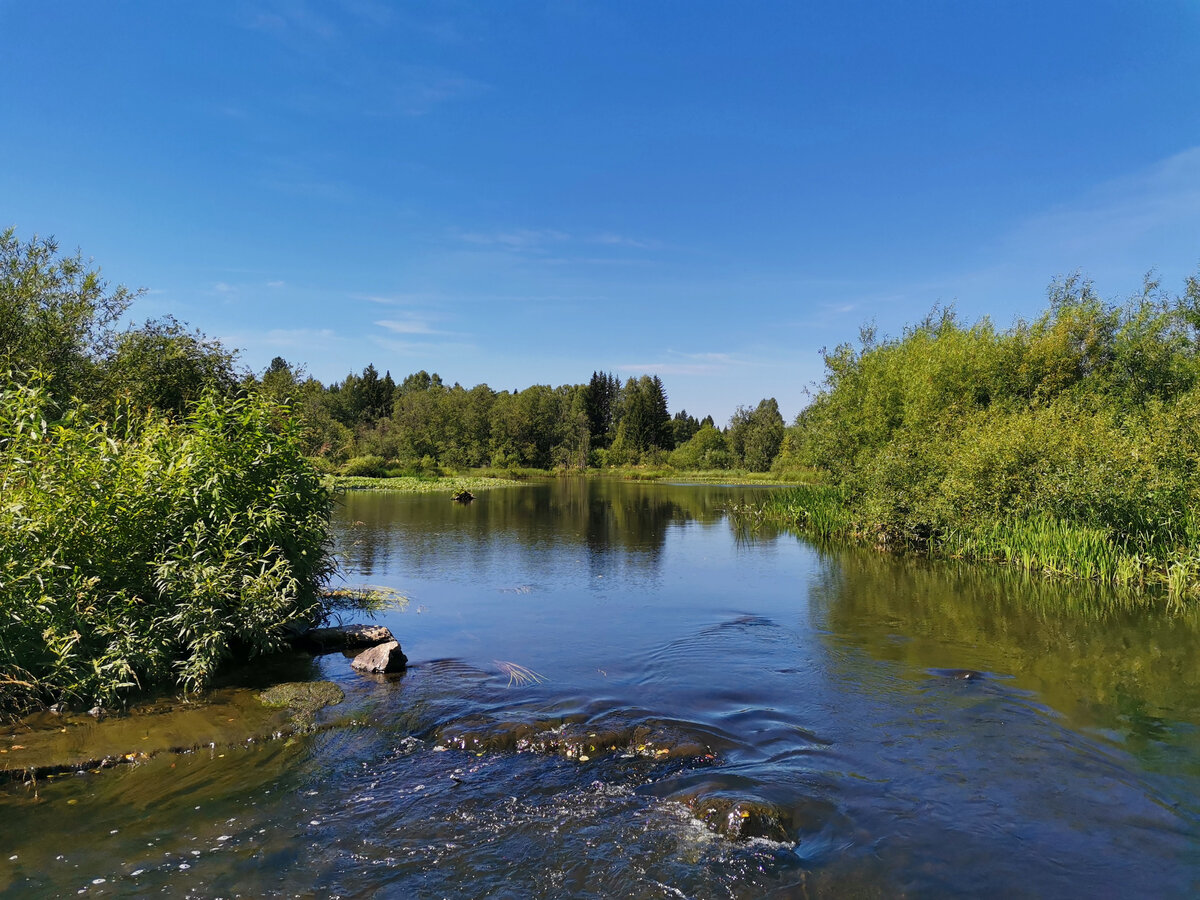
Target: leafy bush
{"points": [[143, 553], [366, 467], [1072, 437]]}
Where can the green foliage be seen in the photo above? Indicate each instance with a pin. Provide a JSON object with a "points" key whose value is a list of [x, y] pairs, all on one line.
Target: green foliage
{"points": [[163, 366], [143, 552], [55, 313], [706, 449], [1066, 444], [366, 467], [756, 436]]}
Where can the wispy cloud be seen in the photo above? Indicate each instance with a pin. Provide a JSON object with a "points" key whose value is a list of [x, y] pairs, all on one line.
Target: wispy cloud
{"points": [[292, 22], [619, 240], [678, 363], [524, 239], [407, 325], [276, 284], [1153, 214], [423, 347], [416, 92]]}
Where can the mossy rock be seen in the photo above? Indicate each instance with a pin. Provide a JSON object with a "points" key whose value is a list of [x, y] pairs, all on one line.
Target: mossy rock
{"points": [[303, 698]]}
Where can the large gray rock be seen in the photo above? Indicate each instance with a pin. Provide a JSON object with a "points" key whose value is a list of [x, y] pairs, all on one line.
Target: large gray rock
{"points": [[381, 658], [343, 637]]}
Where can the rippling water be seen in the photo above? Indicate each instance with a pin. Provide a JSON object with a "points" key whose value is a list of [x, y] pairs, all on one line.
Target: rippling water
{"points": [[615, 692]]}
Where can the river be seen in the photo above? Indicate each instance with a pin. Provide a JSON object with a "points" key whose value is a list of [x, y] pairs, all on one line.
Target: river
{"points": [[616, 690]]}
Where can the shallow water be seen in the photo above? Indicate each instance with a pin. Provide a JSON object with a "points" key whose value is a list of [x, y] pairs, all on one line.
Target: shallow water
{"points": [[605, 677]]}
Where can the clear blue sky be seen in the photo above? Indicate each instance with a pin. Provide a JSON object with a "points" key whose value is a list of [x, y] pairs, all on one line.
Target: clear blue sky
{"points": [[520, 193]]}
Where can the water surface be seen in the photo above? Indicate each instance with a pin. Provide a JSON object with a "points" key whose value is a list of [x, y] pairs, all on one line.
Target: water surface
{"points": [[912, 728]]}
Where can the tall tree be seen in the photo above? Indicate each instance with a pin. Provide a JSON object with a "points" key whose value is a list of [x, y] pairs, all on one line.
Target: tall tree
{"points": [[55, 313], [600, 406]]}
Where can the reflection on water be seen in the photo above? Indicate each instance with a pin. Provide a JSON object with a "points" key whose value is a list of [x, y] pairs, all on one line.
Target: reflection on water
{"points": [[717, 714]]}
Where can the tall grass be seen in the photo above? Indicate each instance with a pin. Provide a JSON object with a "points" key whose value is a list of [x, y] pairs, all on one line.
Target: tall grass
{"points": [[143, 553]]}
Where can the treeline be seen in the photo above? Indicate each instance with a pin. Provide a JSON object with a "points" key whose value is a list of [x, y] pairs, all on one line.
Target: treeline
{"points": [[1070, 443], [368, 424]]}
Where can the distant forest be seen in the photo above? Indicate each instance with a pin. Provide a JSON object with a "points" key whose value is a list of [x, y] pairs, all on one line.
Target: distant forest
{"points": [[369, 424]]}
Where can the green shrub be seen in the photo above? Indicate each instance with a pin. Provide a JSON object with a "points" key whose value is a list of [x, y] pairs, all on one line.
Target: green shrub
{"points": [[365, 467], [1067, 444], [144, 553]]}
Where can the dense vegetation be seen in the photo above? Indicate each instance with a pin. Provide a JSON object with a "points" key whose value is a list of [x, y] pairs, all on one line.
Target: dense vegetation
{"points": [[153, 530], [1067, 444], [367, 425]]}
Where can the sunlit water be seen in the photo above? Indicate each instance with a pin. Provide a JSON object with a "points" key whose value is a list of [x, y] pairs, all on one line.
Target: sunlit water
{"points": [[722, 665]]}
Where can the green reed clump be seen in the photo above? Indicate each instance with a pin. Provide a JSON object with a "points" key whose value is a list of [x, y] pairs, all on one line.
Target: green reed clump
{"points": [[145, 552], [819, 510]]}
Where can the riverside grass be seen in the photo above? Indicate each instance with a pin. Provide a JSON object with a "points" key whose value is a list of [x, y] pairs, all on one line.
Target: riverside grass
{"points": [[1039, 544], [143, 553], [483, 479]]}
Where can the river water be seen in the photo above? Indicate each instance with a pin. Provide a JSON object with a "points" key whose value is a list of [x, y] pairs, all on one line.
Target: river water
{"points": [[615, 690]]}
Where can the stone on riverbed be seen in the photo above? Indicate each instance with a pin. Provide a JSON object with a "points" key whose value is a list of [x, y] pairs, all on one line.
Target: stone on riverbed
{"points": [[381, 659], [343, 637], [304, 697]]}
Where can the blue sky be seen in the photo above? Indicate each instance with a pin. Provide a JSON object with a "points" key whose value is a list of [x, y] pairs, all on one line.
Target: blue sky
{"points": [[520, 193]]}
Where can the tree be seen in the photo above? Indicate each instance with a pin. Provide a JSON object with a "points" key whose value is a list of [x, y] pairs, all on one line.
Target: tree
{"points": [[683, 427], [706, 449], [600, 400], [163, 366], [55, 313], [755, 436]]}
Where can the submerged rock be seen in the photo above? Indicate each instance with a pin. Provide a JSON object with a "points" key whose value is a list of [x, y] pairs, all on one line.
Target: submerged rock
{"points": [[742, 818], [303, 697], [342, 637], [381, 659], [580, 739]]}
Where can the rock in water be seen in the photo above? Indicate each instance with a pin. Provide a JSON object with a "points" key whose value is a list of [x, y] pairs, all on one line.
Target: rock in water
{"points": [[381, 658], [462, 496], [343, 637]]}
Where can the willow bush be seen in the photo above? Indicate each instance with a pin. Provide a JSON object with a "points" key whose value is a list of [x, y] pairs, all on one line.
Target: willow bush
{"points": [[144, 552], [1069, 444]]}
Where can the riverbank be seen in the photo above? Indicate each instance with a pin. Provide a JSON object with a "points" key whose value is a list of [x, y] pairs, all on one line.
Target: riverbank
{"points": [[485, 479], [1039, 544]]}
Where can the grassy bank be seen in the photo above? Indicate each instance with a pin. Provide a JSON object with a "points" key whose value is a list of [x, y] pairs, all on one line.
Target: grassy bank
{"points": [[1040, 545], [483, 479], [1068, 445], [410, 484]]}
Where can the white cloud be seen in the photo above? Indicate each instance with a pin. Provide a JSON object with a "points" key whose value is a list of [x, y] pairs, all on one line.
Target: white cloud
{"points": [[276, 284], [408, 325], [686, 364], [424, 348], [1152, 215], [417, 91], [516, 239], [618, 240]]}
